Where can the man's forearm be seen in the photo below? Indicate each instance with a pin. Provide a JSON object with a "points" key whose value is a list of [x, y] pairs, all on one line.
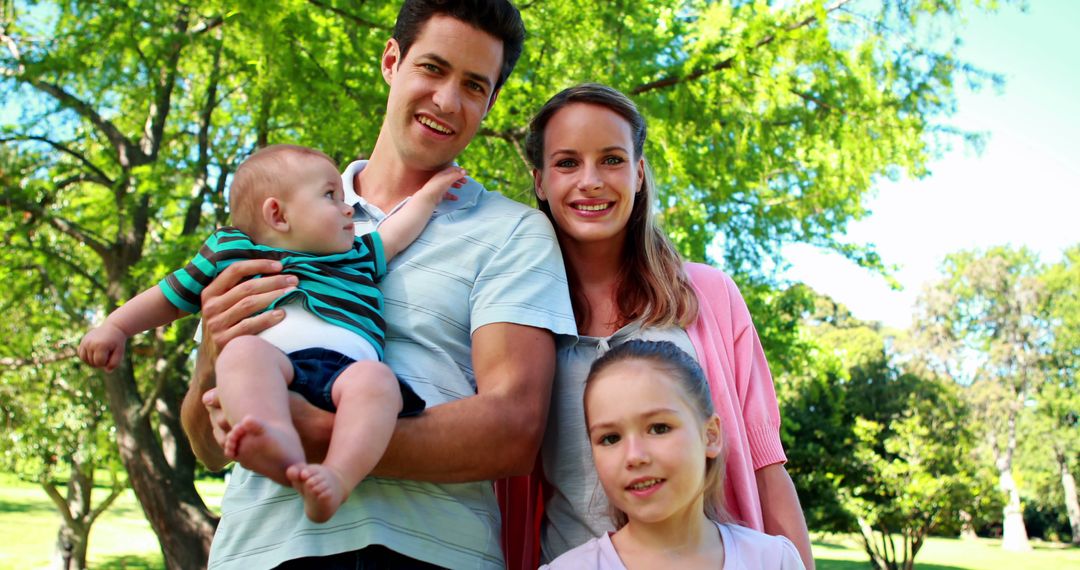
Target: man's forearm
{"points": [[196, 419], [495, 433], [781, 510]]}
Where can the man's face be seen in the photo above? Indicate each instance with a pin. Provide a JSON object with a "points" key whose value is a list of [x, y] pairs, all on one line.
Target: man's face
{"points": [[440, 91]]}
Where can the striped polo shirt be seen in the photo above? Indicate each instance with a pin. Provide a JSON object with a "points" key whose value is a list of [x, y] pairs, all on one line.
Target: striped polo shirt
{"points": [[482, 259], [339, 287]]}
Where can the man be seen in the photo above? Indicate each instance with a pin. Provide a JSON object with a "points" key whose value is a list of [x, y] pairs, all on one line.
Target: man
{"points": [[471, 309]]}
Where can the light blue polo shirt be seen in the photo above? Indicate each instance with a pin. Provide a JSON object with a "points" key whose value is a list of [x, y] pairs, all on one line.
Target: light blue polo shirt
{"points": [[482, 259]]}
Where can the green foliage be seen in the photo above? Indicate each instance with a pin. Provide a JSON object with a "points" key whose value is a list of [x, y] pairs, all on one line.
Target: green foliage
{"points": [[768, 125]]}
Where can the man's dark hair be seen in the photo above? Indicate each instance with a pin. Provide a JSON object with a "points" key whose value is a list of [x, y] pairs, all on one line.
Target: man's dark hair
{"points": [[499, 18]]}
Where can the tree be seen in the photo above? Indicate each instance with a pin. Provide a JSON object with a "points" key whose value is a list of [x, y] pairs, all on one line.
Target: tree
{"points": [[132, 115], [57, 429], [893, 445], [988, 315], [1057, 412]]}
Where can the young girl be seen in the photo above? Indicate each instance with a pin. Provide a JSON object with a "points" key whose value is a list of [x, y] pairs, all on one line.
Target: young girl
{"points": [[656, 444]]}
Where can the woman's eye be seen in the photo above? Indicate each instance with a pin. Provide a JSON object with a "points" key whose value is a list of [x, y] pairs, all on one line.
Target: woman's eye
{"points": [[565, 163], [611, 160], [657, 429]]}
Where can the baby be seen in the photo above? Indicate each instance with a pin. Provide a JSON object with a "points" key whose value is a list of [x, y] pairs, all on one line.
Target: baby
{"points": [[287, 204]]}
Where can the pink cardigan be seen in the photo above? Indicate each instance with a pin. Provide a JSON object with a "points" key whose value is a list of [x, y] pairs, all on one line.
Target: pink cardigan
{"points": [[730, 353]]}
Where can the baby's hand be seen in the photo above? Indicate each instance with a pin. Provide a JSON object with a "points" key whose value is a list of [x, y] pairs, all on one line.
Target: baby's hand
{"points": [[438, 188], [103, 347]]}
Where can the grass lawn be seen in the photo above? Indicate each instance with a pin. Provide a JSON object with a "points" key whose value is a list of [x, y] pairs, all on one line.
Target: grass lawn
{"points": [[121, 539]]}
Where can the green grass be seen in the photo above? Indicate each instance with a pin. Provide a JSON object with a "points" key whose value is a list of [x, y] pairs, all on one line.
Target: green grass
{"points": [[845, 552], [122, 539]]}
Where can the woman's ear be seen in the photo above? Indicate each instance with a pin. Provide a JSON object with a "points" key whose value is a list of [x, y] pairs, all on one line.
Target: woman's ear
{"points": [[640, 174], [273, 214], [538, 184], [714, 442]]}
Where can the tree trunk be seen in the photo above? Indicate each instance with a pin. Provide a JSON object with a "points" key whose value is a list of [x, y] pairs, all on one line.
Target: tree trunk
{"points": [[1072, 506], [1015, 536], [967, 528], [176, 512]]}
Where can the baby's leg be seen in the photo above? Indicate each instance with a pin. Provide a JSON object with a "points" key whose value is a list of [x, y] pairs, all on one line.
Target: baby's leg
{"points": [[368, 400], [252, 381]]}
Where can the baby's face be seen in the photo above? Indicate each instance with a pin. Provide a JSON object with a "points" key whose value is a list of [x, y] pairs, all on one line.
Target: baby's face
{"points": [[320, 221]]}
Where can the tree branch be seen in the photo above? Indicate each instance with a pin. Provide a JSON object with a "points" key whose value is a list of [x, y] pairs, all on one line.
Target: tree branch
{"points": [[727, 63], [58, 500], [128, 154], [98, 172], [351, 17], [67, 227], [64, 353]]}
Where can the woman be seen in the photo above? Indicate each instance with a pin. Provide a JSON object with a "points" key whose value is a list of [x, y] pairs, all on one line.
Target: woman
{"points": [[586, 146]]}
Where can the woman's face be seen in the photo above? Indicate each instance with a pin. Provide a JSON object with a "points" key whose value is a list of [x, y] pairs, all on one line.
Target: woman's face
{"points": [[590, 176]]}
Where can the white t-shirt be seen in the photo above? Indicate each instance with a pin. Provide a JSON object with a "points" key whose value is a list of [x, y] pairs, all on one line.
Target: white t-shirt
{"points": [[744, 549]]}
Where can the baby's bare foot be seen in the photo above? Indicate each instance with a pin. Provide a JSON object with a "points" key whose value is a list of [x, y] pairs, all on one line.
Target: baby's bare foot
{"points": [[265, 448], [322, 488]]}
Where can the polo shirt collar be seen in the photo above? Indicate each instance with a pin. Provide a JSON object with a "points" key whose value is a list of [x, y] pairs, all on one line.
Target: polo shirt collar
{"points": [[468, 195]]}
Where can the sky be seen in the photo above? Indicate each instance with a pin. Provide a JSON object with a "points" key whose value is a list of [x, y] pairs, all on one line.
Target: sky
{"points": [[1023, 189]]}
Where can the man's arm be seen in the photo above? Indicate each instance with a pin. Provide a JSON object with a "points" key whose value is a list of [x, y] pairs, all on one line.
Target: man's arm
{"points": [[781, 511], [227, 304], [494, 434]]}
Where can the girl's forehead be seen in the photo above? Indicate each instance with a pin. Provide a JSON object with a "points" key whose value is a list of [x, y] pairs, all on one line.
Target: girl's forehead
{"points": [[632, 383]]}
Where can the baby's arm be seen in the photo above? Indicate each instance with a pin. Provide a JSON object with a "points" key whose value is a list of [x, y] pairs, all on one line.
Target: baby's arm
{"points": [[103, 347], [400, 229]]}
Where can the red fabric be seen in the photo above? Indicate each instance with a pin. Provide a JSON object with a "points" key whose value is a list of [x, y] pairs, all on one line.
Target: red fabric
{"points": [[521, 501]]}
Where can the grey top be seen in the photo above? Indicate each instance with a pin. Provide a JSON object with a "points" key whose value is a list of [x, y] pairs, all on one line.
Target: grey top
{"points": [[577, 510]]}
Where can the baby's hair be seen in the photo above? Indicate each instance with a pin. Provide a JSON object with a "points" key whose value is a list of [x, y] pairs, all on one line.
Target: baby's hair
{"points": [[259, 178], [680, 366]]}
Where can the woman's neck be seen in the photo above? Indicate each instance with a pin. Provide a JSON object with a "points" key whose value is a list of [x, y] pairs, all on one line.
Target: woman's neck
{"points": [[597, 268], [690, 541]]}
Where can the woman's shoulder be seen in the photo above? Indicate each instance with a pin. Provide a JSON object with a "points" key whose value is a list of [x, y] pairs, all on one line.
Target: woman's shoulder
{"points": [[748, 548], [707, 276], [596, 554]]}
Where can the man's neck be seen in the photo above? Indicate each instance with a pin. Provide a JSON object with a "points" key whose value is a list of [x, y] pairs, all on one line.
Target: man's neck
{"points": [[385, 181]]}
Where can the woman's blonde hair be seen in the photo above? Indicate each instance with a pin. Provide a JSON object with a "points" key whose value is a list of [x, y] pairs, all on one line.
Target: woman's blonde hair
{"points": [[688, 375], [652, 286]]}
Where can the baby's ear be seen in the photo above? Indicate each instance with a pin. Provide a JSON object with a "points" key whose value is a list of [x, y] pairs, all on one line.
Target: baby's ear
{"points": [[714, 440], [273, 214]]}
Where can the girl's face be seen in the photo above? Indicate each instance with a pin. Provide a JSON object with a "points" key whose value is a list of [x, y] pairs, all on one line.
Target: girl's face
{"points": [[648, 443], [590, 176]]}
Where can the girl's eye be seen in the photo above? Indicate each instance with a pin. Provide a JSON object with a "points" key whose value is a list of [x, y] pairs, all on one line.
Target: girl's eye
{"points": [[609, 439], [658, 429]]}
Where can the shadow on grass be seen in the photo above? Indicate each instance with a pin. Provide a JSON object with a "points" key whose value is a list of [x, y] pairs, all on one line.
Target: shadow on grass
{"points": [[26, 507], [131, 562], [826, 564]]}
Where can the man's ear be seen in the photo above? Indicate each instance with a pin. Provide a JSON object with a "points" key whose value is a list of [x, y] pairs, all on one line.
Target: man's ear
{"points": [[391, 57], [714, 441], [273, 214], [538, 180]]}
